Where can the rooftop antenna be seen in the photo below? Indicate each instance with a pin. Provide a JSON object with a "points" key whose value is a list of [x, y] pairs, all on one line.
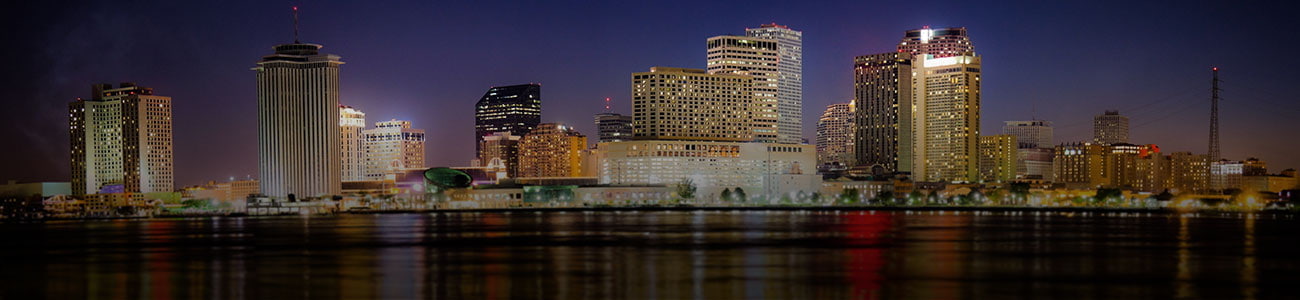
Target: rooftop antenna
{"points": [[1214, 116], [295, 25], [607, 105]]}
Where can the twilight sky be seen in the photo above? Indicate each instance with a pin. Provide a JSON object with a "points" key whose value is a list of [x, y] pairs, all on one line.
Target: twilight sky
{"points": [[429, 61]]}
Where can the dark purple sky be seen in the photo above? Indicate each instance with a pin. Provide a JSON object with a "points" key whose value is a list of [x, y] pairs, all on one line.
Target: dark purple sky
{"points": [[428, 62]]}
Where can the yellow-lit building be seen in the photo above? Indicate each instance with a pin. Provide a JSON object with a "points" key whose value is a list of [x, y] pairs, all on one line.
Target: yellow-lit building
{"points": [[946, 118], [690, 104], [997, 158], [1080, 165], [1151, 170], [1189, 173], [551, 150], [757, 57]]}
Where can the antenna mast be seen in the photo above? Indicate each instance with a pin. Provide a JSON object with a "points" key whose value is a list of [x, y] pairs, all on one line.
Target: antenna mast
{"points": [[1214, 118], [295, 25]]}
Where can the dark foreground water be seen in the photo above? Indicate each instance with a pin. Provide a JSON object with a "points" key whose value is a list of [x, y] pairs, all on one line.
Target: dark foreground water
{"points": [[664, 255]]}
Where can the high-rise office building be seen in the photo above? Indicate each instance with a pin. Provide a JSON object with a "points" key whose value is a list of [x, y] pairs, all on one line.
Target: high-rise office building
{"points": [[835, 135], [729, 54], [789, 46], [613, 127], [551, 150], [516, 109], [298, 115], [946, 118], [997, 158], [689, 104], [500, 148], [351, 122], [121, 141], [1030, 134], [392, 147], [943, 42], [883, 126], [1110, 128]]}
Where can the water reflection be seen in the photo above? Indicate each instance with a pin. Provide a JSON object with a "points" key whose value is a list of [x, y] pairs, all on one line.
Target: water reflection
{"points": [[664, 255]]}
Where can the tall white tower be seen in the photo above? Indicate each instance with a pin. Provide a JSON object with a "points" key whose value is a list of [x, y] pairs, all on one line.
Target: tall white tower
{"points": [[789, 124], [298, 122]]}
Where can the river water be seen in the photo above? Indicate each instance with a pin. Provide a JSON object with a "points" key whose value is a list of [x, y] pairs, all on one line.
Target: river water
{"points": [[659, 255]]}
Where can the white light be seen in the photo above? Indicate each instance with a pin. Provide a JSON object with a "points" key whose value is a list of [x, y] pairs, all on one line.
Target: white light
{"points": [[926, 34]]}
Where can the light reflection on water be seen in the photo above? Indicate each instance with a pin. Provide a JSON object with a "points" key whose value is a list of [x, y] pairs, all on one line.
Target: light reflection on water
{"points": [[665, 255]]}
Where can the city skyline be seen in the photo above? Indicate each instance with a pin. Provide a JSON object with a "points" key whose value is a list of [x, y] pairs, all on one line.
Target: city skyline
{"points": [[827, 69]]}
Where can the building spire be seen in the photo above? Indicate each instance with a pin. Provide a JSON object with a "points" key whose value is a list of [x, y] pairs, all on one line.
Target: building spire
{"points": [[295, 25]]}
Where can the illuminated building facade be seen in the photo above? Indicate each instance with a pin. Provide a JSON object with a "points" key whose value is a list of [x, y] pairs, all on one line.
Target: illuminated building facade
{"points": [[1121, 164], [551, 150], [789, 42], [121, 141], [883, 126], [1110, 128], [351, 123], [835, 135], [1226, 174], [1152, 172], [298, 116], [393, 147], [516, 109], [943, 42], [946, 118], [997, 158], [500, 149], [690, 104], [756, 57], [1080, 165], [613, 127], [1189, 173], [759, 168]]}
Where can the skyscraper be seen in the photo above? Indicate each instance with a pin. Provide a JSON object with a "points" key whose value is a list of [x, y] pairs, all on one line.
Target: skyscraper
{"points": [[946, 122], [551, 150], [516, 109], [729, 54], [1030, 134], [613, 127], [789, 84], [298, 116], [835, 135], [1110, 128], [351, 122], [391, 147], [121, 141], [689, 104], [944, 42], [883, 126], [997, 158]]}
